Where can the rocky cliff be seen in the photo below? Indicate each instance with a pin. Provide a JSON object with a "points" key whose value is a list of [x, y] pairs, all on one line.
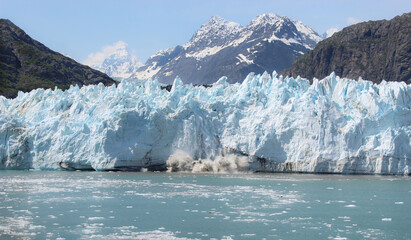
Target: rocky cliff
{"points": [[374, 50]]}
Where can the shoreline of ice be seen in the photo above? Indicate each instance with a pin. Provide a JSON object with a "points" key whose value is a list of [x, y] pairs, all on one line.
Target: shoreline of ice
{"points": [[271, 124]]}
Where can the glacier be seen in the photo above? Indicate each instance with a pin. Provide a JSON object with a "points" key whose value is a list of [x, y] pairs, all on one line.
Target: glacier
{"points": [[266, 123]]}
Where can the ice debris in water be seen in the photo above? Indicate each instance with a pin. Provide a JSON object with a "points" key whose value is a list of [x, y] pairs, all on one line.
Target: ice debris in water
{"points": [[182, 161], [265, 123]]}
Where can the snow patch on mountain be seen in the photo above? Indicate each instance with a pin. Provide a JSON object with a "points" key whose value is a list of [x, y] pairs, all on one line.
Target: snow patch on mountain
{"points": [[244, 59], [205, 52], [149, 73], [286, 41], [114, 60], [307, 32]]}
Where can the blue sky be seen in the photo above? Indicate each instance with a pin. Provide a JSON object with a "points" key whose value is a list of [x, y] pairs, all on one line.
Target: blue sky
{"points": [[81, 27]]}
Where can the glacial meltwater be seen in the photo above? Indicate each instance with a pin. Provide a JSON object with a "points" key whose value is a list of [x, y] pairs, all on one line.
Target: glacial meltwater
{"points": [[124, 205]]}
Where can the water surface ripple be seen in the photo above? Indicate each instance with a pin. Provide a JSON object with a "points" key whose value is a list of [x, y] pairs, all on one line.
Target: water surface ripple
{"points": [[114, 205]]}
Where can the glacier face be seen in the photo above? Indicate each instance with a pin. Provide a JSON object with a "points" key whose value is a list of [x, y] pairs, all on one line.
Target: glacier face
{"points": [[277, 124]]}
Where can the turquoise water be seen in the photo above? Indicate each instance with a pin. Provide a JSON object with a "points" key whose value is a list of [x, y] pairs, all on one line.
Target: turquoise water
{"points": [[113, 205]]}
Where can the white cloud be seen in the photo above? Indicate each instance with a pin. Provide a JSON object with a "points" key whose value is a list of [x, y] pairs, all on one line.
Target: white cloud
{"points": [[352, 20], [330, 32], [96, 59]]}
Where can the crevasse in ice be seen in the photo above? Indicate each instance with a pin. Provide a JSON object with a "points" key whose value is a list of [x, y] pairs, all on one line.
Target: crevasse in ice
{"points": [[334, 125]]}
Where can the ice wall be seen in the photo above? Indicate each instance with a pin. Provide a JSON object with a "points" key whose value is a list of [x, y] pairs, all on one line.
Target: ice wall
{"points": [[334, 125]]}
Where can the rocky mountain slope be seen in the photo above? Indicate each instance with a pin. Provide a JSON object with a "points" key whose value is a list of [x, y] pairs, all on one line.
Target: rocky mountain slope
{"points": [[26, 64], [223, 48], [374, 50]]}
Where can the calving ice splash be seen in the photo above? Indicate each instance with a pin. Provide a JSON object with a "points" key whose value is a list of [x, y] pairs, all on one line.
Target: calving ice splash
{"points": [[266, 123]]}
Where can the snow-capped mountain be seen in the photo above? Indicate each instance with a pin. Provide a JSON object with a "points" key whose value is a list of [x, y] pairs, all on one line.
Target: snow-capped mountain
{"points": [[115, 61], [223, 48]]}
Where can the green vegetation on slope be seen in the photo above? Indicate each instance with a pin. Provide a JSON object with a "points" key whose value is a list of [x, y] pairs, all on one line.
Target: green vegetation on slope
{"points": [[26, 64]]}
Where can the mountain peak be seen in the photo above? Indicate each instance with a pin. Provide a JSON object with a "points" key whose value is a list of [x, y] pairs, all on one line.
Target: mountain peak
{"points": [[217, 20], [213, 31], [284, 29], [218, 23], [8, 27], [267, 18], [6, 21]]}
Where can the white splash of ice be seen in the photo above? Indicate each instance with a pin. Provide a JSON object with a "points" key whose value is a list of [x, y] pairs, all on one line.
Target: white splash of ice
{"points": [[182, 161]]}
